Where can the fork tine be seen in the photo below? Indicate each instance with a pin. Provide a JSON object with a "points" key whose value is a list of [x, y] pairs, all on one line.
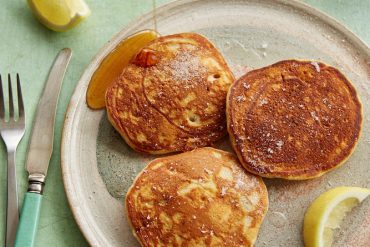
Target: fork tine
{"points": [[11, 103], [20, 98], [2, 108]]}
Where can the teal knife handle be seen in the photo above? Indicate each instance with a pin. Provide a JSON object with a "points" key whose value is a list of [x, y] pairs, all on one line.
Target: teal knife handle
{"points": [[29, 220]]}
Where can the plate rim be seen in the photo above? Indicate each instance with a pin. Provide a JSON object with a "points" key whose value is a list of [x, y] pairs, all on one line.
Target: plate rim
{"points": [[77, 96]]}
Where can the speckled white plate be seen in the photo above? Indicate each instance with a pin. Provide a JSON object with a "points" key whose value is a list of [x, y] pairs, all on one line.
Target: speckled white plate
{"points": [[98, 167]]}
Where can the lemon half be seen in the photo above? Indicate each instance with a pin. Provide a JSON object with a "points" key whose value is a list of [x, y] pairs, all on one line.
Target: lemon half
{"points": [[59, 15], [327, 212]]}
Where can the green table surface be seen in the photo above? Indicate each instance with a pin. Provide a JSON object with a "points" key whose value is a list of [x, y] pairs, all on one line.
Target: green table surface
{"points": [[29, 48]]}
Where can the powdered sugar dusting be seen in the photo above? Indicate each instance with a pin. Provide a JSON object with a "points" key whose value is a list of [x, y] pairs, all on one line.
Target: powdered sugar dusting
{"points": [[263, 102], [246, 85], [316, 65], [314, 116], [240, 98], [280, 144], [223, 191], [186, 67]]}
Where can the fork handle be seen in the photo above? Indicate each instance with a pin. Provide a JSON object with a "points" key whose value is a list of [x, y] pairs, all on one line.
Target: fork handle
{"points": [[28, 224], [12, 214]]}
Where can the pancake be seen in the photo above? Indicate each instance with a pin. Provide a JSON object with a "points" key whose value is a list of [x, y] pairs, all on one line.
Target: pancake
{"points": [[293, 119], [172, 95], [198, 198]]}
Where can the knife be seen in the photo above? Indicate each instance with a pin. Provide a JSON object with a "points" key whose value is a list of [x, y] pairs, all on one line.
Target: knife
{"points": [[40, 150]]}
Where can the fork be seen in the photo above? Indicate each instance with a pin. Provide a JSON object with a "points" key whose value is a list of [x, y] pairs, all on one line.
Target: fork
{"points": [[12, 131]]}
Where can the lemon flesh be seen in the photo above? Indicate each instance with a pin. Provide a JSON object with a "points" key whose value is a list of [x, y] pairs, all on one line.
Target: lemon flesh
{"points": [[59, 15], [327, 212]]}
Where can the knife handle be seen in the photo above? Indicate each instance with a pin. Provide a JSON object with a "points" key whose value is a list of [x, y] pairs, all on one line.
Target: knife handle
{"points": [[29, 220]]}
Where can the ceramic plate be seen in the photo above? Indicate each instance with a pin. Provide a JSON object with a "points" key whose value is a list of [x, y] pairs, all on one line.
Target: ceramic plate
{"points": [[98, 167]]}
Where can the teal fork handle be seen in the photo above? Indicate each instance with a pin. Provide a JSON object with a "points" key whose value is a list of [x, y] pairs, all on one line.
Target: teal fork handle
{"points": [[29, 220]]}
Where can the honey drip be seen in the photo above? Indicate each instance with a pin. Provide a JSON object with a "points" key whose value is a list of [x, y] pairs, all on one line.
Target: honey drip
{"points": [[155, 15], [113, 64]]}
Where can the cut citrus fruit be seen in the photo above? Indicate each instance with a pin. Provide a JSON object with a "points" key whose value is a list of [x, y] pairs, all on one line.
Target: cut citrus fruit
{"points": [[113, 64], [59, 15], [327, 212]]}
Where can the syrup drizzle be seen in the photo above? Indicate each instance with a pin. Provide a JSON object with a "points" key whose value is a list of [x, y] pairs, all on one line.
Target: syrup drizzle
{"points": [[154, 5]]}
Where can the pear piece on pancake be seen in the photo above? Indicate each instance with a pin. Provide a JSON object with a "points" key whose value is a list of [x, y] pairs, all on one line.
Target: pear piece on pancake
{"points": [[293, 119], [198, 198], [172, 95]]}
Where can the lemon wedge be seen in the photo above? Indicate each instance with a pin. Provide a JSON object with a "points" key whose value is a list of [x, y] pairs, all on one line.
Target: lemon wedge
{"points": [[327, 212], [59, 15]]}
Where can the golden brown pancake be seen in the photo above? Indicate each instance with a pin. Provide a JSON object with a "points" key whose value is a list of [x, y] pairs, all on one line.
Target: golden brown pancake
{"points": [[198, 198], [172, 96], [293, 119]]}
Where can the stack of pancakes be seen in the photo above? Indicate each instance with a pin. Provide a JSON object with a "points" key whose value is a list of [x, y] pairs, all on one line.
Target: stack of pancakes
{"points": [[291, 120]]}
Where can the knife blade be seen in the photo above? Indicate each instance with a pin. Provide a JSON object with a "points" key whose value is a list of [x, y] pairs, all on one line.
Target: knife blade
{"points": [[40, 150], [41, 144]]}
